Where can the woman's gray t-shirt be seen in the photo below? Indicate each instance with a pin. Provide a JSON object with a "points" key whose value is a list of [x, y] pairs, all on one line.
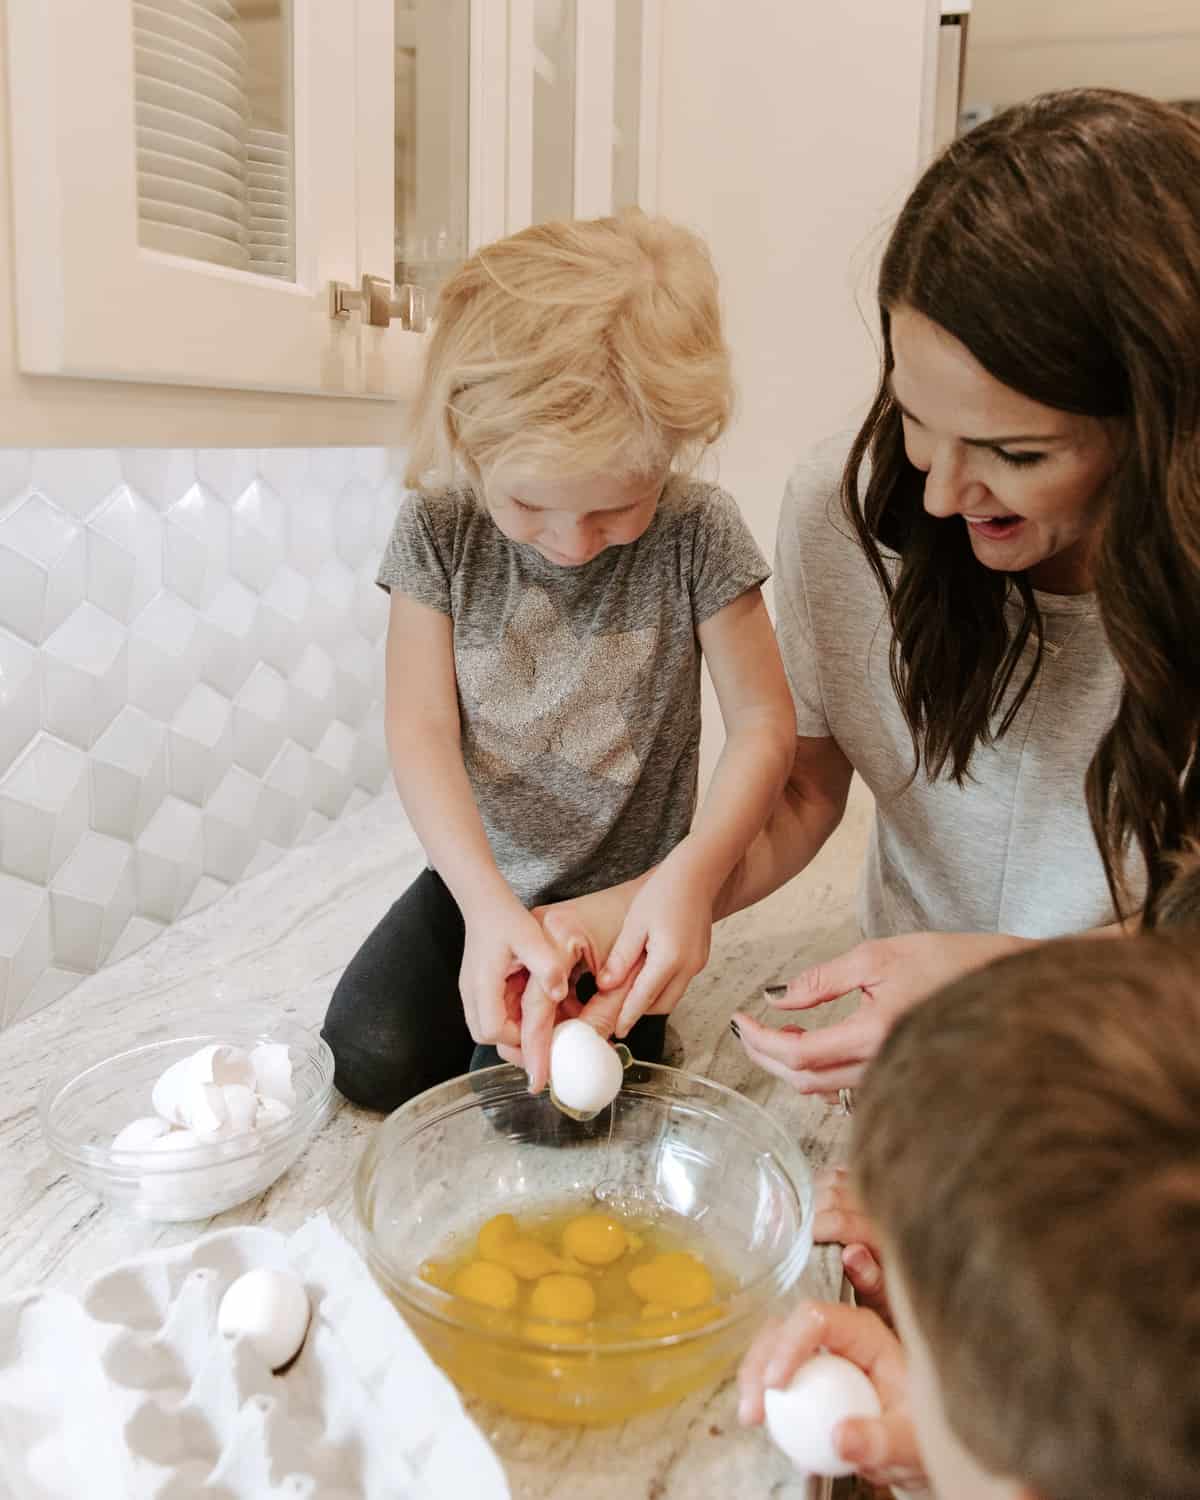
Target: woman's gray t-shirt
{"points": [[578, 688], [1011, 850]]}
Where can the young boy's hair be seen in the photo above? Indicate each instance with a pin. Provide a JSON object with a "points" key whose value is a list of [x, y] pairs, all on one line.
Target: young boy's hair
{"points": [[1179, 904], [1028, 1140], [574, 347]]}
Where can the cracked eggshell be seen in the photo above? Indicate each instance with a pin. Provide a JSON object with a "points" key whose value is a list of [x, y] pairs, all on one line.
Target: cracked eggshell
{"points": [[215, 1064], [270, 1310], [271, 1063], [192, 1181], [269, 1112], [803, 1417], [140, 1135], [241, 1108]]}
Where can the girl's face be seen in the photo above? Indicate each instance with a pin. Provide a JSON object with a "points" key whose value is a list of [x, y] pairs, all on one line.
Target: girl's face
{"points": [[1029, 483], [571, 521]]}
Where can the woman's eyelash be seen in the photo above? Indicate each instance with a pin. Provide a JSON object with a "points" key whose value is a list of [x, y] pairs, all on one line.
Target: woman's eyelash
{"points": [[1019, 460]]}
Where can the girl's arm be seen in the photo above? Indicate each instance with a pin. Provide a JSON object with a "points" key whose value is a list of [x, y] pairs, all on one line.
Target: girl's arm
{"points": [[670, 919], [425, 745]]}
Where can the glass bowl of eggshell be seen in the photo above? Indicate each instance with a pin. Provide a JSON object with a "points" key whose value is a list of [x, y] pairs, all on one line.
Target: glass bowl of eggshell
{"points": [[583, 1271], [187, 1127]]}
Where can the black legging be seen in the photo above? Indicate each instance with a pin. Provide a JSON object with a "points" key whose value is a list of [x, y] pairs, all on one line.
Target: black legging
{"points": [[396, 1023]]}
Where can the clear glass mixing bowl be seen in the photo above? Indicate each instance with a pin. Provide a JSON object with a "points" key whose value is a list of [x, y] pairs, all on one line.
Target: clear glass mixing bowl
{"points": [[672, 1147]]}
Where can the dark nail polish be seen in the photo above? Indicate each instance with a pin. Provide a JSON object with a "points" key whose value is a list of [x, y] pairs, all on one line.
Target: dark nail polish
{"points": [[736, 1029], [775, 991]]}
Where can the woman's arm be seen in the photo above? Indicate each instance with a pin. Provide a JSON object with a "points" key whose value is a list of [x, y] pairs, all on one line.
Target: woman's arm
{"points": [[425, 745]]}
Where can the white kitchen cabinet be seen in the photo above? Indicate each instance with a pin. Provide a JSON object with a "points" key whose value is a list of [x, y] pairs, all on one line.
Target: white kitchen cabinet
{"points": [[192, 178]]}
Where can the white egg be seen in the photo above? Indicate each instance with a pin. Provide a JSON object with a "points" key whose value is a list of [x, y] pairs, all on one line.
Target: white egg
{"points": [[269, 1112], [272, 1065], [270, 1310], [802, 1417], [585, 1070], [139, 1135]]}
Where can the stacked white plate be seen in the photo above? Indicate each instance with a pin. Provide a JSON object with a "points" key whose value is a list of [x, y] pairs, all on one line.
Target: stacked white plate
{"points": [[269, 202], [192, 121]]}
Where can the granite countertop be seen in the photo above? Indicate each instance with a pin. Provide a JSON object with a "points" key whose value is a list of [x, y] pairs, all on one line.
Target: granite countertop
{"points": [[281, 940]]}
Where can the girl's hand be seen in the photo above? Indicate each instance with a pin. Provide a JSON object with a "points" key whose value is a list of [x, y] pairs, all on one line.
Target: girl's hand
{"points": [[504, 944], [883, 1449], [668, 931], [840, 1220], [894, 974]]}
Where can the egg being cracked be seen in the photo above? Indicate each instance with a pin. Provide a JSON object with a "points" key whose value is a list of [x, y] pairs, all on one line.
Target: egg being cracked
{"points": [[585, 1070], [269, 1309], [802, 1417]]}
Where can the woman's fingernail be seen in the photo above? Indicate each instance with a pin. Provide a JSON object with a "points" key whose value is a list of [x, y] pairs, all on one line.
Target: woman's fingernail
{"points": [[775, 991], [736, 1029]]}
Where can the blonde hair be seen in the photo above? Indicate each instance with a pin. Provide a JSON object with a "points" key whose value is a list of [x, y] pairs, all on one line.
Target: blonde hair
{"points": [[575, 347]]}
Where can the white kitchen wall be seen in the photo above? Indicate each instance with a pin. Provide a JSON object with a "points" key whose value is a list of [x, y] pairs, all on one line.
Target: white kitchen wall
{"points": [[190, 683]]}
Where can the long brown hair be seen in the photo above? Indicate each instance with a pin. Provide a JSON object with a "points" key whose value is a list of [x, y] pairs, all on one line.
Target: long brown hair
{"points": [[1060, 243]]}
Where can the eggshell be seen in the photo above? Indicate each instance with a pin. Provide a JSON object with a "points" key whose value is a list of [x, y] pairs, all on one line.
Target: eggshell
{"points": [[139, 1135], [270, 1310], [241, 1108], [192, 1181], [215, 1064], [803, 1417], [272, 1067], [585, 1071], [269, 1112], [203, 1108]]}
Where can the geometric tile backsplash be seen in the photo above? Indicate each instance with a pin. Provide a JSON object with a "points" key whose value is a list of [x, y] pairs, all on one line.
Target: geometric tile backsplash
{"points": [[191, 676]]}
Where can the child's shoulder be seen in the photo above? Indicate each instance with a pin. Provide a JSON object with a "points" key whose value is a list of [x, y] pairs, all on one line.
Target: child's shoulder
{"points": [[448, 502], [696, 503]]}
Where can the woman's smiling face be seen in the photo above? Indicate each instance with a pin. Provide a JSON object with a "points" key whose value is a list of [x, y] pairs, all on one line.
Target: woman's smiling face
{"points": [[1029, 482]]}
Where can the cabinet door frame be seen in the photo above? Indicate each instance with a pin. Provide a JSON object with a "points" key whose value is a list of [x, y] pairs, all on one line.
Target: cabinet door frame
{"points": [[91, 301]]}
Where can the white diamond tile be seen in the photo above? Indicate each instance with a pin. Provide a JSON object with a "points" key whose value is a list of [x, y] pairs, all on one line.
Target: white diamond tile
{"points": [[199, 745], [76, 478], [196, 546], [228, 641], [43, 809], [20, 697], [160, 475], [42, 568], [162, 656], [128, 766], [286, 794], [92, 899], [281, 619], [16, 472], [24, 941], [231, 825], [87, 684], [226, 471], [52, 985], [124, 554], [259, 535], [260, 719], [190, 680], [207, 891], [355, 524], [170, 860], [312, 697], [286, 470]]}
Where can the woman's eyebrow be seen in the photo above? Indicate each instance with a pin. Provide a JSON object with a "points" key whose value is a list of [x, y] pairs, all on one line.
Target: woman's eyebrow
{"points": [[988, 442]]}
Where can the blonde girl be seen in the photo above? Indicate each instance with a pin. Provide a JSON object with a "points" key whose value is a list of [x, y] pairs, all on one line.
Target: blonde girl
{"points": [[555, 578]]}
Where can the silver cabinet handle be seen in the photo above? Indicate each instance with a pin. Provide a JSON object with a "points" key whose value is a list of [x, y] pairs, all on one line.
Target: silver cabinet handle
{"points": [[377, 303]]}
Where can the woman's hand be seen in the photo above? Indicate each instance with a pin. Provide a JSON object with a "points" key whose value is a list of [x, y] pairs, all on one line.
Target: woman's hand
{"points": [[894, 974], [668, 932], [841, 1220], [883, 1449]]}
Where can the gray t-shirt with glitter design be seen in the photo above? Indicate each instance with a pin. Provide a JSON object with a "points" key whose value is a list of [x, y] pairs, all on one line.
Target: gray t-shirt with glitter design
{"points": [[1011, 850], [578, 688]]}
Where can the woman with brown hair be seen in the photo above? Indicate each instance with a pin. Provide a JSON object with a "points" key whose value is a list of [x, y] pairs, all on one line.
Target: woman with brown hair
{"points": [[990, 606]]}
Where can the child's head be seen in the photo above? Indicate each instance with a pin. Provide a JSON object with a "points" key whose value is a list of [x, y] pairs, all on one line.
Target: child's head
{"points": [[571, 365], [1029, 1143]]}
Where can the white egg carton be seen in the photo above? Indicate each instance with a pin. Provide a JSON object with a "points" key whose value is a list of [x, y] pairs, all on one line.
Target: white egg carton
{"points": [[130, 1393]]}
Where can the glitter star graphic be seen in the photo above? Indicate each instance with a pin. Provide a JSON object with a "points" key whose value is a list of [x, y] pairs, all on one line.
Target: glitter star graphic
{"points": [[541, 690]]}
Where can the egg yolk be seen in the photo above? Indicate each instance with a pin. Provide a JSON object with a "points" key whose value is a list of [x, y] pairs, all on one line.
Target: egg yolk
{"points": [[594, 1239], [489, 1285], [495, 1234], [570, 1299], [675, 1280], [659, 1322], [437, 1274], [555, 1333]]}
